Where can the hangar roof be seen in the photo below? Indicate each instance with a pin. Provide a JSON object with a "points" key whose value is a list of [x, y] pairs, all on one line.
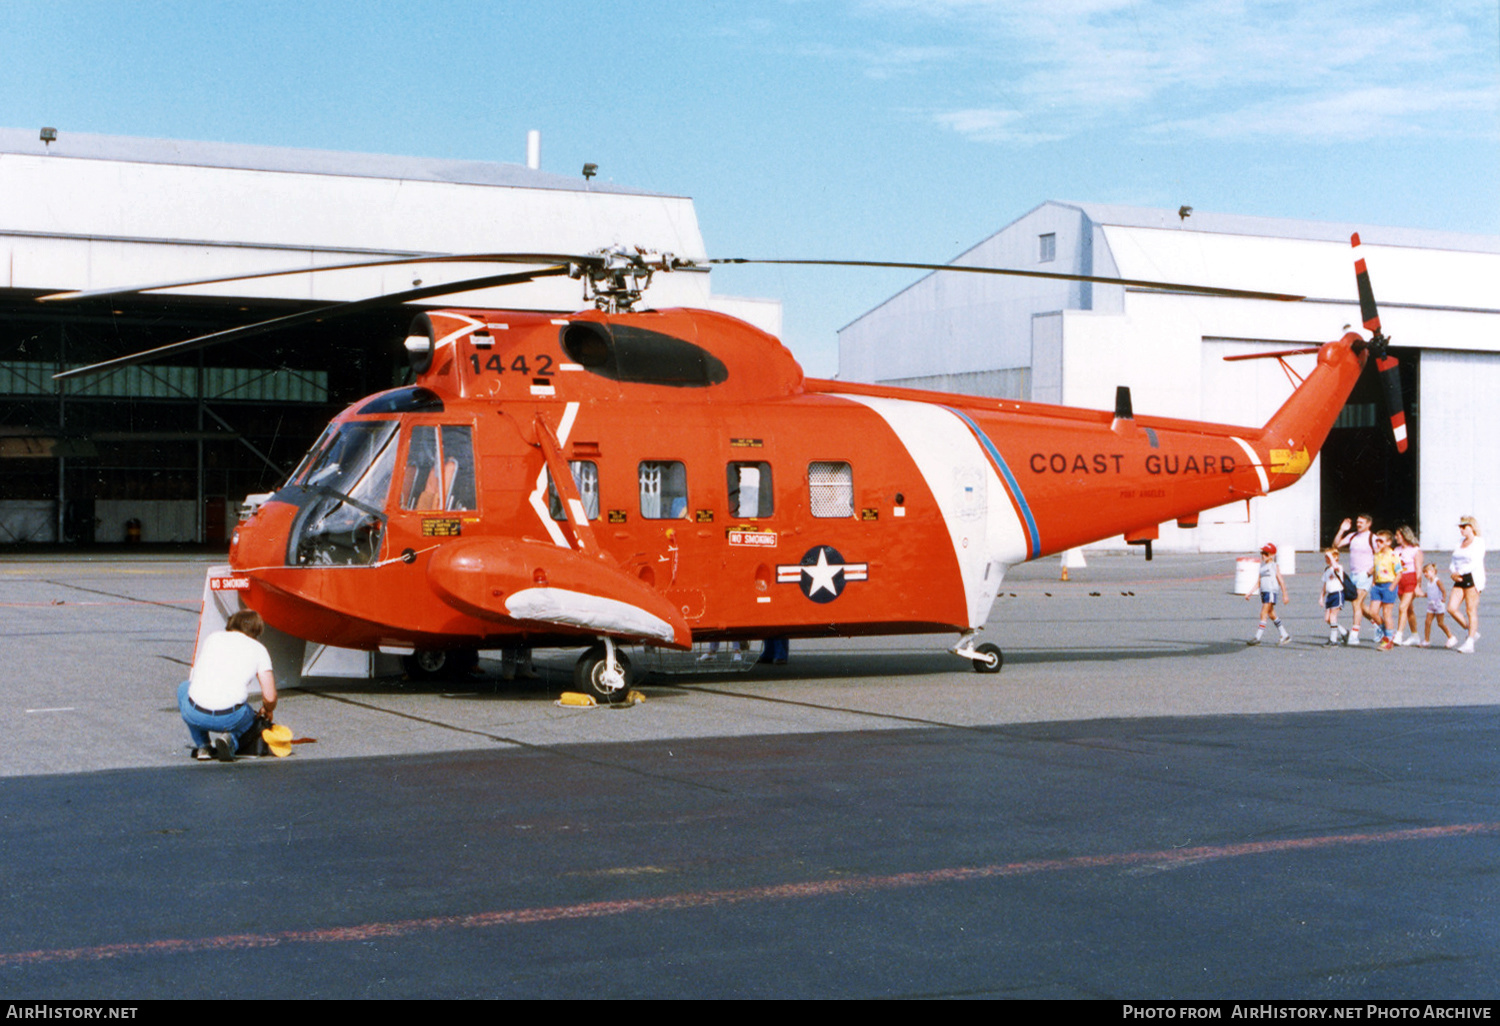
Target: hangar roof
{"points": [[1439, 270], [83, 146], [1280, 227], [1418, 267]]}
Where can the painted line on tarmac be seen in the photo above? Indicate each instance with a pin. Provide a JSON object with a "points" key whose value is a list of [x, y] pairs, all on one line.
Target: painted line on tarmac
{"points": [[195, 609], [58, 603], [1168, 859]]}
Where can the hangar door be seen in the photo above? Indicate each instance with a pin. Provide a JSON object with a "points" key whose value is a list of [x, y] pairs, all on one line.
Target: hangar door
{"points": [[1361, 470]]}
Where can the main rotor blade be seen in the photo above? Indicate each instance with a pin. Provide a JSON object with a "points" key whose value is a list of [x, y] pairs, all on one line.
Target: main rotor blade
{"points": [[330, 312], [1206, 290], [445, 258]]}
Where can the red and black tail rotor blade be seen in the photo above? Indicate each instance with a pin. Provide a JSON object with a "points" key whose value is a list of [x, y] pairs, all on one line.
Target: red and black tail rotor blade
{"points": [[1367, 311], [1388, 366], [1390, 382]]}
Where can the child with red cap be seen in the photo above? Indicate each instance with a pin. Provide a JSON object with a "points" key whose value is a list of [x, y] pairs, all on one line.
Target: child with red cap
{"points": [[1272, 590]]}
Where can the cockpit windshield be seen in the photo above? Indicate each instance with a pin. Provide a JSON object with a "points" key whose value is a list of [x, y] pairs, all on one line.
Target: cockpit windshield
{"points": [[312, 455], [344, 453], [349, 471]]}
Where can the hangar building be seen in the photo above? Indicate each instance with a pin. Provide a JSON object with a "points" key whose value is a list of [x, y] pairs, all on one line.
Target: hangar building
{"points": [[1074, 342], [164, 452]]}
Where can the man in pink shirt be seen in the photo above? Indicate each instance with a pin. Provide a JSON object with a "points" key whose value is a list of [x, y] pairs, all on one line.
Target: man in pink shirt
{"points": [[1360, 543]]}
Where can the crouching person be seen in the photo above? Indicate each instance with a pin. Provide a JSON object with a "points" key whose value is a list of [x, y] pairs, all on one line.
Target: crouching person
{"points": [[215, 699]]}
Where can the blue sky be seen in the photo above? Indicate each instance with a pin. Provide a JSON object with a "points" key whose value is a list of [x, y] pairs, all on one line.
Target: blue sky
{"points": [[852, 129]]}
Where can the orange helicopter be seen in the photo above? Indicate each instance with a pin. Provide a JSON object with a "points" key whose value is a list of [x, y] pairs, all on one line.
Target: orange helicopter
{"points": [[633, 476]]}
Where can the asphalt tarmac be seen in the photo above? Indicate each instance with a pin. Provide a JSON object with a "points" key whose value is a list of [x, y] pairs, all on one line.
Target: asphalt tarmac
{"points": [[1139, 806]]}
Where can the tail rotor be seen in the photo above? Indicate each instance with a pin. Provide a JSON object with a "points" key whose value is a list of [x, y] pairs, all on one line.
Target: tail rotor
{"points": [[1379, 347]]}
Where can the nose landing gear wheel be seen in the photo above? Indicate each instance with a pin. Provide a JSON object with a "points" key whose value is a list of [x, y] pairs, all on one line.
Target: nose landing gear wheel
{"points": [[988, 658], [591, 675]]}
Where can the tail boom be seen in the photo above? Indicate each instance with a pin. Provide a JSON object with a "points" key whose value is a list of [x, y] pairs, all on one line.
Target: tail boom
{"points": [[1293, 436]]}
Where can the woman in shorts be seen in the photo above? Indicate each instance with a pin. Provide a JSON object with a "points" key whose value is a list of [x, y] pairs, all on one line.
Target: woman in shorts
{"points": [[1409, 551], [1467, 568]]}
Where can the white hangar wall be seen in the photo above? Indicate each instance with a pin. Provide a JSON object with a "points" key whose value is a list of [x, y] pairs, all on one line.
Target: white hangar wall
{"points": [[1073, 343], [90, 211]]}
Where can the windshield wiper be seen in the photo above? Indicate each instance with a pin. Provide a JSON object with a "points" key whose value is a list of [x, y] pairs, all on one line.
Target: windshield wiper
{"points": [[379, 514]]}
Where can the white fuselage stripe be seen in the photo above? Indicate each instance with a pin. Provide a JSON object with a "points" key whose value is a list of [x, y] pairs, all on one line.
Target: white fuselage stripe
{"points": [[468, 324], [539, 494], [1260, 470], [986, 534]]}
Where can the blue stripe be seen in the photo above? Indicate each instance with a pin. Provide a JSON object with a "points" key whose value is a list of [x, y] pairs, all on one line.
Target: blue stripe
{"points": [[1033, 537]]}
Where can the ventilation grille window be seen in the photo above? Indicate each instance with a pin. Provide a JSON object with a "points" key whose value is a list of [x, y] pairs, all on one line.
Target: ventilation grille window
{"points": [[830, 489]]}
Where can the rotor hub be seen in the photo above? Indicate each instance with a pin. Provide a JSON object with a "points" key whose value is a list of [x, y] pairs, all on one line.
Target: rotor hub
{"points": [[615, 278]]}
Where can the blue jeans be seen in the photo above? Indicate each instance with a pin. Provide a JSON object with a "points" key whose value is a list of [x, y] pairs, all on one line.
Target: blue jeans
{"points": [[200, 723]]}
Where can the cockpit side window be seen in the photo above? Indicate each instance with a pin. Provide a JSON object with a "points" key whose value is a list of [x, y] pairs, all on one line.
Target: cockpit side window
{"points": [[458, 467], [419, 482], [439, 472]]}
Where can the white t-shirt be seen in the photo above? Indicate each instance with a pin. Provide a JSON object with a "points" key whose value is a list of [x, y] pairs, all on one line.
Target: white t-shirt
{"points": [[226, 670], [1469, 559]]}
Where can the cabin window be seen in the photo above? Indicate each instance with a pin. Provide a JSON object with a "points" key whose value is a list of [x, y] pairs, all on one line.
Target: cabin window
{"points": [[439, 469], [750, 490], [586, 480], [663, 490], [830, 487]]}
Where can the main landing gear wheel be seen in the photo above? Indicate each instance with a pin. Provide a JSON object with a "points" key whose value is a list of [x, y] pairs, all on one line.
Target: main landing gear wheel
{"points": [[988, 658], [436, 664], [591, 675]]}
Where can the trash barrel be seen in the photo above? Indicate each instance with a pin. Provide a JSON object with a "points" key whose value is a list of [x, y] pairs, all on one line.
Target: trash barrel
{"points": [[1246, 575]]}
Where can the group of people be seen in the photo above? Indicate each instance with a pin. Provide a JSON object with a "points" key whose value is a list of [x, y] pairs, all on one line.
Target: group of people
{"points": [[1387, 577]]}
